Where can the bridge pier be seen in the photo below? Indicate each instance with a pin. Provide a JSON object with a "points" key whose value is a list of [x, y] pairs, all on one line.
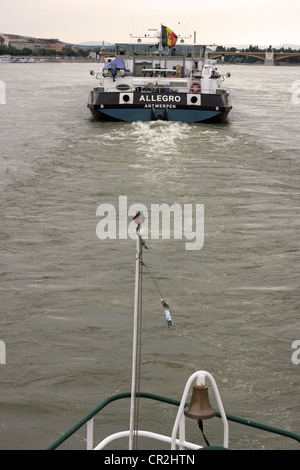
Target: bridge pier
{"points": [[269, 58]]}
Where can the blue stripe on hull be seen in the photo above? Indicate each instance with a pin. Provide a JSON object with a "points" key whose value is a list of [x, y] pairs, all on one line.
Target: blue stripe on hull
{"points": [[191, 115], [129, 115], [175, 115]]}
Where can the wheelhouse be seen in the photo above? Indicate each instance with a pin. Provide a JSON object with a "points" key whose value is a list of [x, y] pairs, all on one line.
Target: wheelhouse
{"points": [[144, 58]]}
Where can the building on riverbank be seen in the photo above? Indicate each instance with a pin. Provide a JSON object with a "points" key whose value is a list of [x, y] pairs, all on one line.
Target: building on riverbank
{"points": [[34, 44]]}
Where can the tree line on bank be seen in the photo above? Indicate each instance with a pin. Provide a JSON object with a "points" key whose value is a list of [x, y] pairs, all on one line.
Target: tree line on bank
{"points": [[65, 52]]}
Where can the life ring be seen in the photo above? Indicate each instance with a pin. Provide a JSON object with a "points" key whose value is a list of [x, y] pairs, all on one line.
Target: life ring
{"points": [[196, 87]]}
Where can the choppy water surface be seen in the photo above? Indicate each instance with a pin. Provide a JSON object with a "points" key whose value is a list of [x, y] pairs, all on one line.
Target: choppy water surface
{"points": [[67, 296]]}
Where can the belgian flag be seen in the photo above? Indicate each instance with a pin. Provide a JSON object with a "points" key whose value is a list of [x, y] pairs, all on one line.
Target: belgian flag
{"points": [[168, 37]]}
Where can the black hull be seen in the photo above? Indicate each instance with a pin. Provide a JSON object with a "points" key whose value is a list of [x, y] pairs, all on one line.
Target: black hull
{"points": [[176, 107]]}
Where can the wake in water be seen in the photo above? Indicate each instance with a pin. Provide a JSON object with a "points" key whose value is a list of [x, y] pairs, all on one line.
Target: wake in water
{"points": [[158, 140], [153, 139]]}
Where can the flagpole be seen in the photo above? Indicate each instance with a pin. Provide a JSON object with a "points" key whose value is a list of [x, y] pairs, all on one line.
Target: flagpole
{"points": [[160, 40]]}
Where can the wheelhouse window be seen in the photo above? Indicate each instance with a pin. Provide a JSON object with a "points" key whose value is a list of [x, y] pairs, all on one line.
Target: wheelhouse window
{"points": [[121, 49], [137, 49], [140, 49]]}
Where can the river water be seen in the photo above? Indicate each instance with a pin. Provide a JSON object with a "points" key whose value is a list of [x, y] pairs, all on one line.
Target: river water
{"points": [[67, 296]]}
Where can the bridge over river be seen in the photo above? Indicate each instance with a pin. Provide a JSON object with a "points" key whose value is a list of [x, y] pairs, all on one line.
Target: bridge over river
{"points": [[269, 58]]}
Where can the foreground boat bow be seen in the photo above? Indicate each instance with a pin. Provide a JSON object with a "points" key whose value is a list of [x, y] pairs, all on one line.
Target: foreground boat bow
{"points": [[199, 407]]}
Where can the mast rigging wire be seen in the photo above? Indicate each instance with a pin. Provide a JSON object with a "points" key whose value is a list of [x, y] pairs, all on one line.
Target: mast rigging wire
{"points": [[137, 339]]}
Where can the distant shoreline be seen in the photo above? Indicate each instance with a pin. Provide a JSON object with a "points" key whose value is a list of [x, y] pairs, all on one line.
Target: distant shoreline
{"points": [[89, 60], [47, 59]]}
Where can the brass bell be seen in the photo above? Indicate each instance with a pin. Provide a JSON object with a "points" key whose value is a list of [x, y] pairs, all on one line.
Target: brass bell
{"points": [[199, 406]]}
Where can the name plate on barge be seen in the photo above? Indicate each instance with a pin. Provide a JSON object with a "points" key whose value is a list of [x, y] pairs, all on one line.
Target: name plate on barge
{"points": [[160, 99]]}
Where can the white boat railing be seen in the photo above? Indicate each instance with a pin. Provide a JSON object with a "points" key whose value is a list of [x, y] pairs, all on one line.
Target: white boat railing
{"points": [[179, 425], [89, 421]]}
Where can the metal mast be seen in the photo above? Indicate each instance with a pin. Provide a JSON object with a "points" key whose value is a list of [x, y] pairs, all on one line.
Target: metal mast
{"points": [[136, 336]]}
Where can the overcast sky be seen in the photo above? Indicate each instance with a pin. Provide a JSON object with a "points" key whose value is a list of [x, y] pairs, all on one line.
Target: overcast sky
{"points": [[256, 22]]}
